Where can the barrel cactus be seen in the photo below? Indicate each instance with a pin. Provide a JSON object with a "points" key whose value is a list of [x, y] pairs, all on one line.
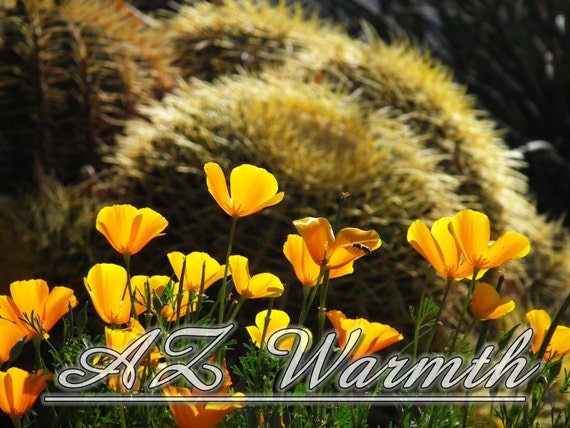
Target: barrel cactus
{"points": [[71, 73], [327, 114]]}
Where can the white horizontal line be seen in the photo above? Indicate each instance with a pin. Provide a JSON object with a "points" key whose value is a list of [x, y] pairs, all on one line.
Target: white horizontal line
{"points": [[274, 399]]}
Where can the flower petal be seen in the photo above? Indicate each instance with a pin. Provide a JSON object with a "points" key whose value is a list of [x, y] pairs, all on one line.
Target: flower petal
{"points": [[239, 267], [318, 236], [57, 305], [253, 189], [218, 188], [539, 320], [107, 286], [510, 245], [472, 232], [263, 285]]}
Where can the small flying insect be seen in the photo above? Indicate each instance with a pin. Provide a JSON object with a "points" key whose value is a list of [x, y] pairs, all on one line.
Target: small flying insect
{"points": [[362, 247]]}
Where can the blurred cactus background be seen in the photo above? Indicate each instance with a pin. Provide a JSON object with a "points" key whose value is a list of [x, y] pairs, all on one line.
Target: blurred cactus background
{"points": [[418, 108], [513, 56]]}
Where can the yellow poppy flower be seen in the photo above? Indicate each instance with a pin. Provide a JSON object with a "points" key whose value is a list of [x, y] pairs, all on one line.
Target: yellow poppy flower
{"points": [[374, 336], [278, 321], [439, 248], [19, 390], [559, 344], [171, 307], [251, 189], [486, 303], [195, 263], [156, 283], [33, 301], [119, 340], [306, 270], [472, 233], [253, 287], [107, 287], [129, 229], [332, 252], [198, 415]]}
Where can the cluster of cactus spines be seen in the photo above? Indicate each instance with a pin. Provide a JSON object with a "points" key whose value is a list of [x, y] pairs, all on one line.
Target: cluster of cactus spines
{"points": [[71, 73], [49, 233], [514, 58]]}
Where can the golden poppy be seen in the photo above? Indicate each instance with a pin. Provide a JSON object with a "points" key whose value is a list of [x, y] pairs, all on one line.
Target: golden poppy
{"points": [[172, 309], [373, 337], [439, 248], [156, 284], [129, 229], [10, 331], [33, 301], [332, 252], [19, 390], [251, 189], [472, 233], [253, 287], [278, 321], [486, 303], [559, 344], [188, 415], [119, 340], [197, 263], [306, 270], [107, 287]]}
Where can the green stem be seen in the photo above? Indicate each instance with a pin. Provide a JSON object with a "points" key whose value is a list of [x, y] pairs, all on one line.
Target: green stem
{"points": [[450, 281], [127, 258], [262, 341], [307, 305], [237, 308], [196, 313], [222, 296], [17, 422], [322, 304], [122, 416], [464, 310]]}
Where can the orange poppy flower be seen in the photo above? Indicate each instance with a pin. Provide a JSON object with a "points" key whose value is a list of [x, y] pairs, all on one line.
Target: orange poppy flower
{"points": [[188, 415], [439, 248], [253, 287], [374, 336], [19, 390], [156, 284], [486, 303], [278, 321], [33, 301], [171, 306], [10, 331], [332, 252], [559, 344], [195, 262], [107, 287], [119, 340], [472, 233], [251, 189], [306, 270], [129, 229]]}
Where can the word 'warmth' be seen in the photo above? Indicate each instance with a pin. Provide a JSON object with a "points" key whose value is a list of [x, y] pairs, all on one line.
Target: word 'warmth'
{"points": [[195, 345]]}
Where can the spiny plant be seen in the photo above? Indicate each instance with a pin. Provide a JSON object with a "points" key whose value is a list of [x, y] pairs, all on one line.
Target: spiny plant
{"points": [[512, 55], [406, 103], [71, 73]]}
